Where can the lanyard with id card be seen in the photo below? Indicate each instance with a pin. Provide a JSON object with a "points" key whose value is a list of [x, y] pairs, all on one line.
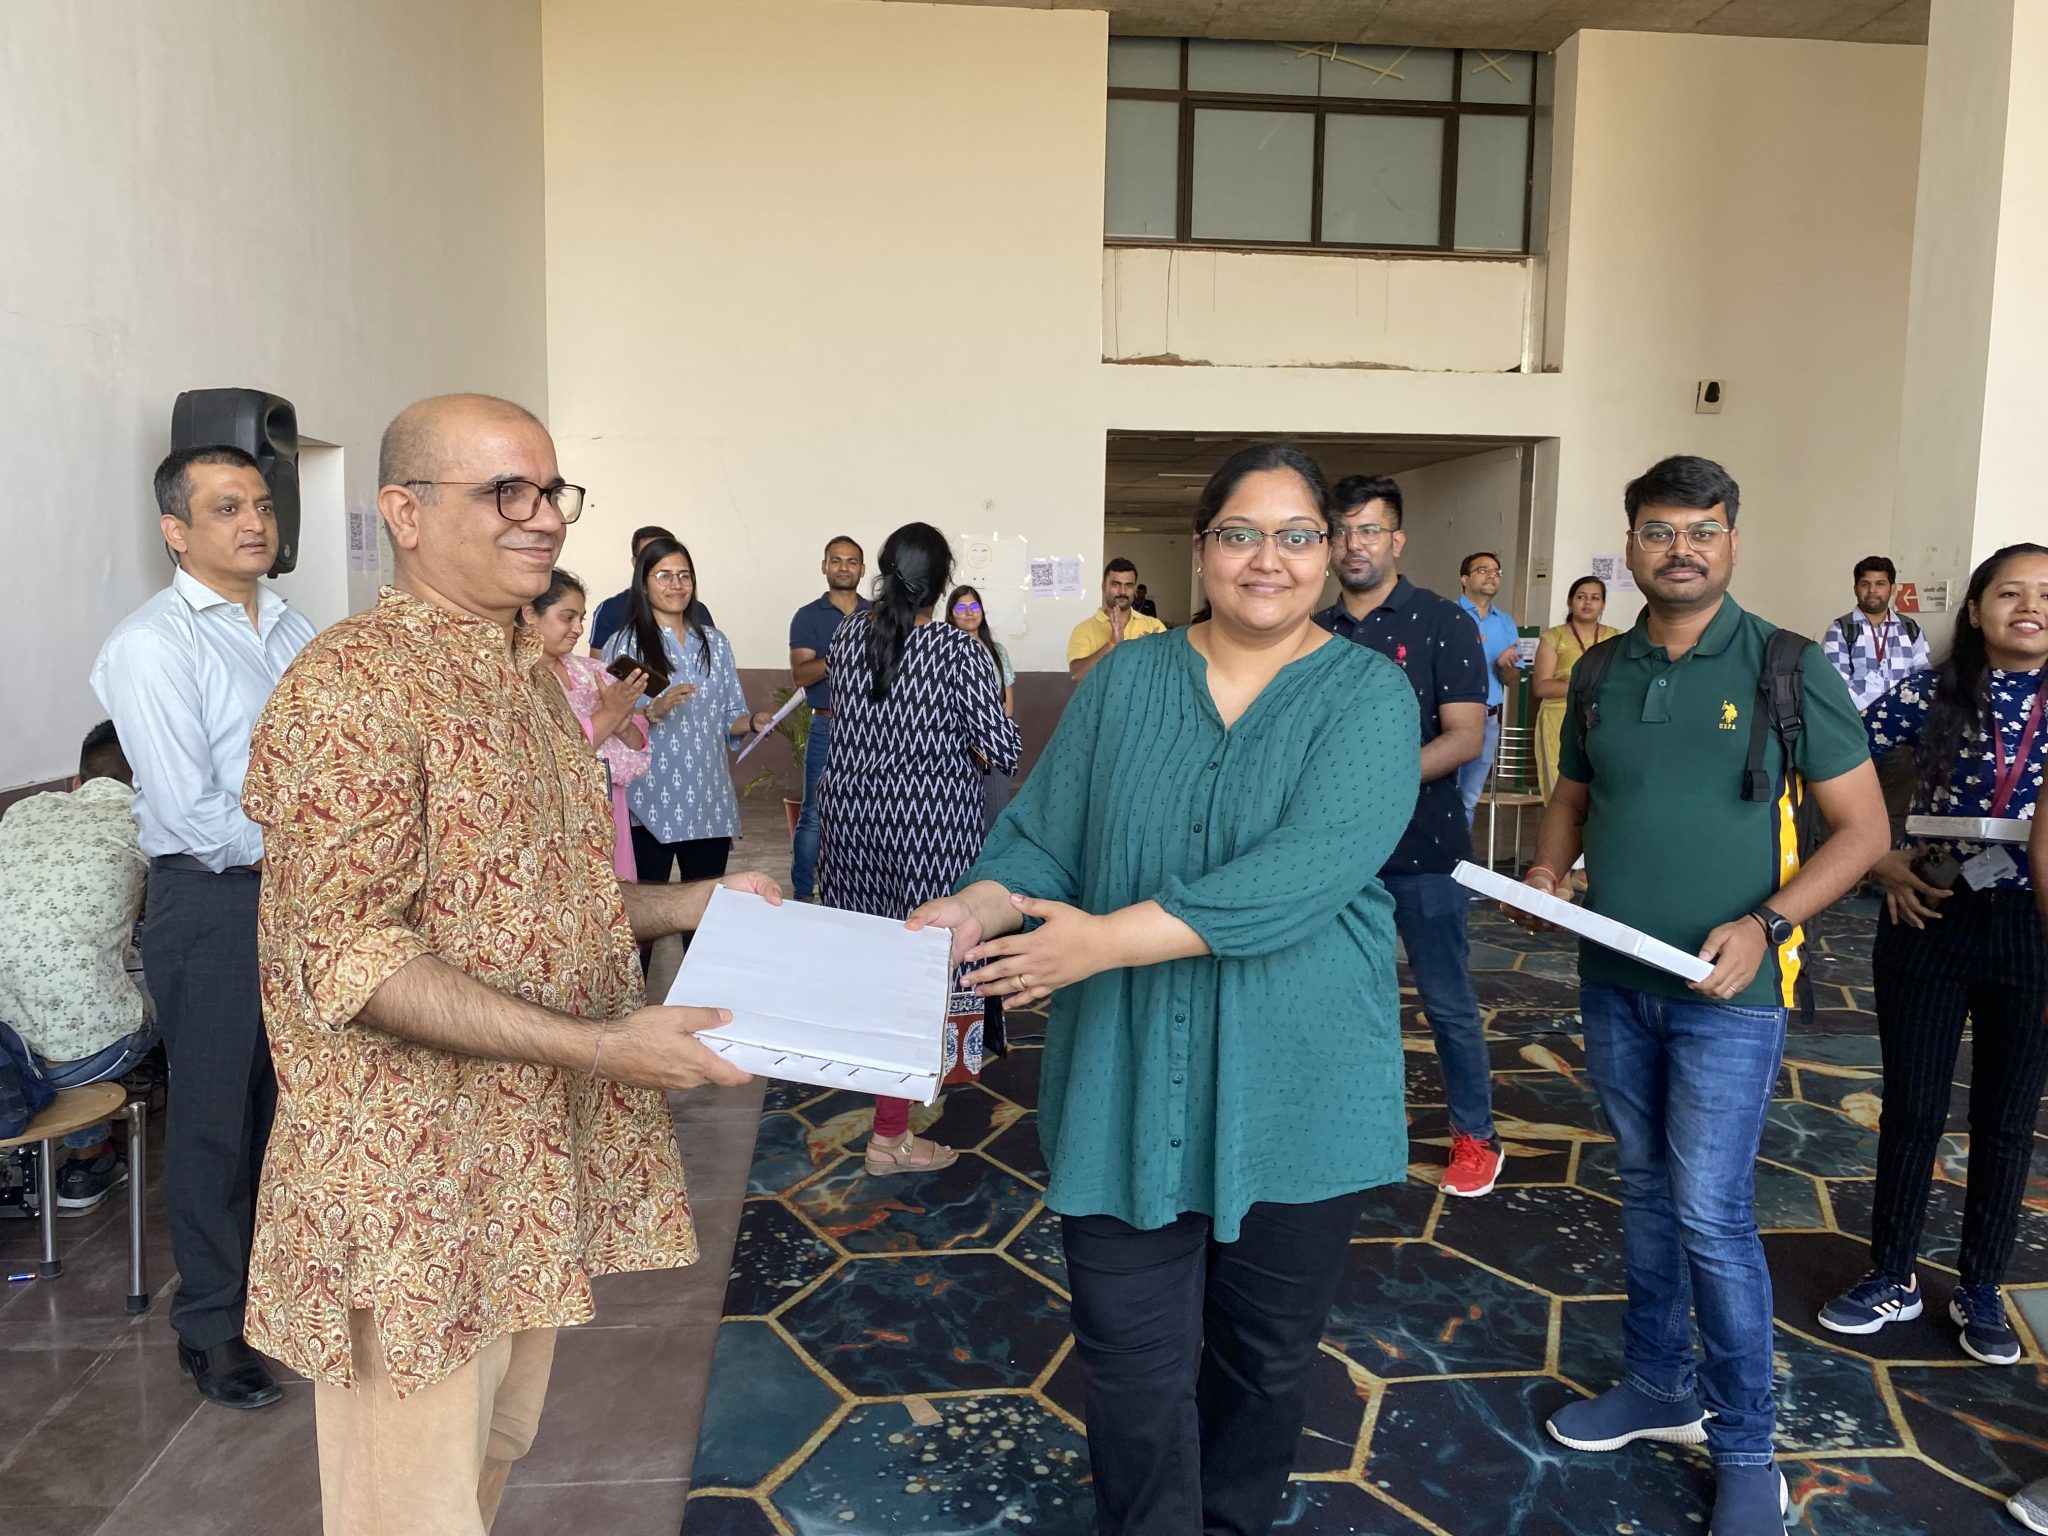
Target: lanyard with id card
{"points": [[1997, 862]]}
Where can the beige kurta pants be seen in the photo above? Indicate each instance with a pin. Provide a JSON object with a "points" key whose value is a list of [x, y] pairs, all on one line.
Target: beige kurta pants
{"points": [[433, 1463]]}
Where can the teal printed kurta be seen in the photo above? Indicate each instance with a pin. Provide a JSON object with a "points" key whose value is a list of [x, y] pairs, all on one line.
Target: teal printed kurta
{"points": [[1271, 1068]]}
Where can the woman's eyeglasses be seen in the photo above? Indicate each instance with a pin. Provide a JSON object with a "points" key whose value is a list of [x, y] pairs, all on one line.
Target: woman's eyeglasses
{"points": [[967, 609], [1293, 543], [671, 578]]}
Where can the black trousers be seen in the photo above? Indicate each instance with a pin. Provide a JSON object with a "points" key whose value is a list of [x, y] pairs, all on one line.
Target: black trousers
{"points": [[199, 961], [1194, 1360], [701, 858], [1985, 959]]}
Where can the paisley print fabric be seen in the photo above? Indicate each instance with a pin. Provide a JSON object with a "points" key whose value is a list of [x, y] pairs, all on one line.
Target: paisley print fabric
{"points": [[422, 792]]}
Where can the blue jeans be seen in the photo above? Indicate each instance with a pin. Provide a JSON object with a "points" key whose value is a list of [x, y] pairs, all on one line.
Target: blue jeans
{"points": [[803, 869], [116, 1060], [1472, 777], [1429, 914], [1684, 1086]]}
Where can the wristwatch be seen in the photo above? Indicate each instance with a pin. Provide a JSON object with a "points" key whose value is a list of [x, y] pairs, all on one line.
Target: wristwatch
{"points": [[1776, 929]]}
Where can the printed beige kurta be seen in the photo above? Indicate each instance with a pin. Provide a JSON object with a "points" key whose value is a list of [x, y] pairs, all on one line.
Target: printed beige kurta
{"points": [[423, 792]]}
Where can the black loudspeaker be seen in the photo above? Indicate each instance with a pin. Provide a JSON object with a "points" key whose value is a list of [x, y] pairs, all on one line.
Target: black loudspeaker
{"points": [[262, 425]]}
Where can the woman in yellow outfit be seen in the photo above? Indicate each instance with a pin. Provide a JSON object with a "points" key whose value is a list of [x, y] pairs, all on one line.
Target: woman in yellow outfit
{"points": [[1556, 654]]}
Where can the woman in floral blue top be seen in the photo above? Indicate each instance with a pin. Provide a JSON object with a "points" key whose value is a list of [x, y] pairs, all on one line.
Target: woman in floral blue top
{"points": [[1960, 940], [685, 814]]}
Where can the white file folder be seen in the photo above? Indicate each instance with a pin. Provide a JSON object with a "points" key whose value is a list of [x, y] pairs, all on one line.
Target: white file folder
{"points": [[1604, 931], [1971, 829], [819, 996]]}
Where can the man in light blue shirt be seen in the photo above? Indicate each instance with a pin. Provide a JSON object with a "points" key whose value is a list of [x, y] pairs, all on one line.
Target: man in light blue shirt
{"points": [[1479, 574], [184, 677]]}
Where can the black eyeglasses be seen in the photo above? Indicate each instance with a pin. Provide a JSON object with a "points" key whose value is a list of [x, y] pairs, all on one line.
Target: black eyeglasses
{"points": [[518, 500]]}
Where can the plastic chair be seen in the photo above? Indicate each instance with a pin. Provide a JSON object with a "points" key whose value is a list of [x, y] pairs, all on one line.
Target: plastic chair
{"points": [[73, 1110], [1511, 784]]}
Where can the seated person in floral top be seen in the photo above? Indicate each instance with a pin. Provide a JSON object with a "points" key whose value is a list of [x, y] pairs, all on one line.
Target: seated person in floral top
{"points": [[471, 1124], [606, 705]]}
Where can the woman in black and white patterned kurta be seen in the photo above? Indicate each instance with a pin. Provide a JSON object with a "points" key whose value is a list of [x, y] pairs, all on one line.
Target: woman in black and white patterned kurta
{"points": [[900, 806]]}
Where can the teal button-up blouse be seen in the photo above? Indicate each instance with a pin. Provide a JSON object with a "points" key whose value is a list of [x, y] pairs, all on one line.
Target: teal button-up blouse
{"points": [[1269, 1069]]}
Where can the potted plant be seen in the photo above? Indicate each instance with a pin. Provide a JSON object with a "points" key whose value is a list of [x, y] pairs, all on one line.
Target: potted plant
{"points": [[795, 729]]}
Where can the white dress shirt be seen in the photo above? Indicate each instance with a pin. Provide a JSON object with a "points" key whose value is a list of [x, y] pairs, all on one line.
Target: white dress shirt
{"points": [[184, 677], [70, 888]]}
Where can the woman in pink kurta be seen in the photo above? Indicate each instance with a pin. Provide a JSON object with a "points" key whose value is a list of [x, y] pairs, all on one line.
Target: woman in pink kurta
{"points": [[602, 702]]}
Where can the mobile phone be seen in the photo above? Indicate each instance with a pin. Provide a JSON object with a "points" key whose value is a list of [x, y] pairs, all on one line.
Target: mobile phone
{"points": [[1939, 869], [657, 680]]}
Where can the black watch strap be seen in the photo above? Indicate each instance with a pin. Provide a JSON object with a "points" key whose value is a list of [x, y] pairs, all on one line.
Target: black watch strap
{"points": [[1777, 928]]}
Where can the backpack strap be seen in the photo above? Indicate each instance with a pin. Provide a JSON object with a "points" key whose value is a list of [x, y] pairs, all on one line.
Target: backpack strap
{"points": [[1585, 684], [1781, 695], [1911, 627]]}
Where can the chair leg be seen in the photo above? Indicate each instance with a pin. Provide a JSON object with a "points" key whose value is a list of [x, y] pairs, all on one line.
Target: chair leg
{"points": [[138, 1177], [46, 1182]]}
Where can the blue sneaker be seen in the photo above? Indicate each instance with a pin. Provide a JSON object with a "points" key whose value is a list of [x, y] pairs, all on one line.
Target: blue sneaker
{"points": [[1621, 1415], [1872, 1302], [1749, 1501], [1979, 1310]]}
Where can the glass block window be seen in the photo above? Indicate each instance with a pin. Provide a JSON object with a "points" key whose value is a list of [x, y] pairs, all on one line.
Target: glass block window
{"points": [[1333, 144]]}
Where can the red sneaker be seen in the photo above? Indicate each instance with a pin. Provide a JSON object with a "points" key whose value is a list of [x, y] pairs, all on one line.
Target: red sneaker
{"points": [[1474, 1166]]}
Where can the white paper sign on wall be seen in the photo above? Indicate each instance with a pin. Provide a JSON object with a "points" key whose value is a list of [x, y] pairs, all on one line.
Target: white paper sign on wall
{"points": [[1613, 569]]}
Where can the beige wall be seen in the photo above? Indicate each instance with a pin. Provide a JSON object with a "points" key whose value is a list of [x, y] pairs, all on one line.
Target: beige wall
{"points": [[1741, 209], [1270, 309], [1458, 508], [816, 265], [338, 203], [1969, 448]]}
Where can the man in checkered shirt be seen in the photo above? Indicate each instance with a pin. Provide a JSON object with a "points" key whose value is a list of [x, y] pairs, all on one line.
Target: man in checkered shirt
{"points": [[1873, 648]]}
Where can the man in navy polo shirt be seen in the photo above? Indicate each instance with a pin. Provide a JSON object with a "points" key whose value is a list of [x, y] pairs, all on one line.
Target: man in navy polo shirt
{"points": [[1435, 644], [1479, 575], [810, 636]]}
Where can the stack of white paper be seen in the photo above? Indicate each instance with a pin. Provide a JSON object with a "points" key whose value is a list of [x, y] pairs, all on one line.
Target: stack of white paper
{"points": [[820, 996], [1619, 937], [1973, 829]]}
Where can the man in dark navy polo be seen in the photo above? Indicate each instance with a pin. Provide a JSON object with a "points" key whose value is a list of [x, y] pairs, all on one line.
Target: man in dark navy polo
{"points": [[1435, 643], [811, 630]]}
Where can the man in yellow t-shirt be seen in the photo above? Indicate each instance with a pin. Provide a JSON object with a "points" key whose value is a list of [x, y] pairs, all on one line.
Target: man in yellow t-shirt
{"points": [[1113, 623]]}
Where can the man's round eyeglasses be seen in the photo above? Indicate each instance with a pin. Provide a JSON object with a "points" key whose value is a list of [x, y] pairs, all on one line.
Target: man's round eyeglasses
{"points": [[1293, 543], [1661, 535], [518, 500], [1361, 533]]}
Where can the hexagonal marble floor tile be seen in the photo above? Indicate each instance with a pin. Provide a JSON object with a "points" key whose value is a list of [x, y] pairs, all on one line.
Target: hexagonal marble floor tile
{"points": [[972, 1204], [775, 1256], [1561, 1240], [747, 1435], [887, 1327], [1414, 1309], [996, 1462]]}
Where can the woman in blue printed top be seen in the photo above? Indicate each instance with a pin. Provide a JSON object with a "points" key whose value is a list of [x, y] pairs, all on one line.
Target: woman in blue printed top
{"points": [[1962, 943], [685, 814]]}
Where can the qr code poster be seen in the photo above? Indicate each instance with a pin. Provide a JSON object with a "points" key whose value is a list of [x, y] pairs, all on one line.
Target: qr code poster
{"points": [[1613, 570], [1043, 573]]}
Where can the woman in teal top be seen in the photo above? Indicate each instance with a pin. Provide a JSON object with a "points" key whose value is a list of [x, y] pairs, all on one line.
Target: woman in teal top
{"points": [[1195, 857]]}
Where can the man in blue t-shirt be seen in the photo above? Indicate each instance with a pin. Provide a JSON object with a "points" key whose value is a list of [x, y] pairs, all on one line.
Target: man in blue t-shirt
{"points": [[811, 630], [610, 617], [1479, 575], [1434, 646]]}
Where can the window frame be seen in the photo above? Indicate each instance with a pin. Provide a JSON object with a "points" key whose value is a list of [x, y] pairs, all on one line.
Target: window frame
{"points": [[1322, 108]]}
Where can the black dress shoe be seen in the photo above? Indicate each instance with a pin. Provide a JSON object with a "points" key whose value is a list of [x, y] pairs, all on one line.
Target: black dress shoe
{"points": [[231, 1374]]}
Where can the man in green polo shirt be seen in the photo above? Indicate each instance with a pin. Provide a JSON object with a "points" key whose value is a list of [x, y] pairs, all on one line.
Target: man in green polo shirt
{"points": [[1652, 794]]}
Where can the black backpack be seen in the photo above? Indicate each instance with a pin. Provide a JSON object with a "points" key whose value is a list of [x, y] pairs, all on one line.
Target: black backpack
{"points": [[1847, 625], [1781, 694]]}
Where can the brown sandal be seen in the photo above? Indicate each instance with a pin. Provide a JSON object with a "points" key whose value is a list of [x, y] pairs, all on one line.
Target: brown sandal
{"points": [[882, 1158]]}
